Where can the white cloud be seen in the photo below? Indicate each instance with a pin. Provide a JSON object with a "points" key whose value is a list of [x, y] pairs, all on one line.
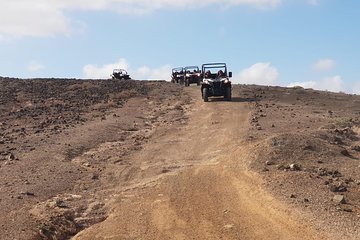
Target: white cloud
{"points": [[324, 64], [313, 2], [34, 66], [332, 84], [143, 6], [309, 84], [40, 18], [32, 18], [356, 88], [92, 71], [259, 73], [161, 73]]}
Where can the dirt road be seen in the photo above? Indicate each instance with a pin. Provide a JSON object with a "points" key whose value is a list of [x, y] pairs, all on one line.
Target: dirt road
{"points": [[191, 181]]}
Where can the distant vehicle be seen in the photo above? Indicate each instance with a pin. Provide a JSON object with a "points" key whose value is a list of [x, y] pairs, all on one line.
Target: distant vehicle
{"points": [[215, 81], [192, 75], [120, 74], [177, 75]]}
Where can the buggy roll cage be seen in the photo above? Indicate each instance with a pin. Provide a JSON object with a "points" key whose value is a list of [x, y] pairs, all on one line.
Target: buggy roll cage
{"points": [[214, 65], [217, 66], [178, 69], [191, 67]]}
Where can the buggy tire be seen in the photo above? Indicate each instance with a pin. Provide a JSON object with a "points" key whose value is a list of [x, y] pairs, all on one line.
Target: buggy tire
{"points": [[205, 94], [228, 94]]}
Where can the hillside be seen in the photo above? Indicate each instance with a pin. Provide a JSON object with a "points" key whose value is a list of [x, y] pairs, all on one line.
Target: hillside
{"points": [[103, 159]]}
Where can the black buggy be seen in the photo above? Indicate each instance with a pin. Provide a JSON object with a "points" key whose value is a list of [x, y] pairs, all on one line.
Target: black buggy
{"points": [[192, 75], [177, 75], [215, 81], [120, 74]]}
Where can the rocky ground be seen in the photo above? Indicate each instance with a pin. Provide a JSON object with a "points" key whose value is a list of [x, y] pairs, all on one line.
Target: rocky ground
{"points": [[45, 124], [307, 147], [75, 154]]}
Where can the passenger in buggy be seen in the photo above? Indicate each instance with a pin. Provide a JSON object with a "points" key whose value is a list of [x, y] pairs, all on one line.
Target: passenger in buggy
{"points": [[220, 74]]}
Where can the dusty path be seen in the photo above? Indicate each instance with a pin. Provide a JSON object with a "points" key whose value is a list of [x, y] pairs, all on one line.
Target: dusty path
{"points": [[192, 182]]}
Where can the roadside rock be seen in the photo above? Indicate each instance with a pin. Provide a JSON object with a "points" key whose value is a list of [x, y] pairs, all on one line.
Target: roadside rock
{"points": [[11, 157], [60, 203], [356, 148], [339, 187], [348, 209], [27, 193], [345, 153], [339, 199], [269, 162], [295, 167]]}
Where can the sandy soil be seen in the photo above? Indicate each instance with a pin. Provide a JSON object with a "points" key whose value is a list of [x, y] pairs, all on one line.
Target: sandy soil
{"points": [[151, 160]]}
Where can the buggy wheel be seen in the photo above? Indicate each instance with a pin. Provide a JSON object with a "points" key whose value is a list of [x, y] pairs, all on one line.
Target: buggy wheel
{"points": [[228, 94], [205, 94]]}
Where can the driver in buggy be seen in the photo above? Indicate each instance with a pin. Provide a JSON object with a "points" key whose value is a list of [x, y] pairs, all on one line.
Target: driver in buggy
{"points": [[208, 74]]}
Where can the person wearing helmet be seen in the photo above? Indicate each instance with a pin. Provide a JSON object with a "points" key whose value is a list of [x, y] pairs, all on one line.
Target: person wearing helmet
{"points": [[208, 74], [220, 73]]}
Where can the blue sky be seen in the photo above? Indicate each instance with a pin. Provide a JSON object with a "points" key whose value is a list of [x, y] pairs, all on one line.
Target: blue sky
{"points": [[311, 43]]}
